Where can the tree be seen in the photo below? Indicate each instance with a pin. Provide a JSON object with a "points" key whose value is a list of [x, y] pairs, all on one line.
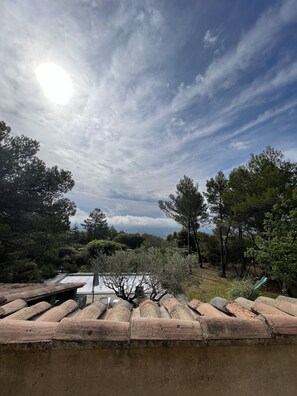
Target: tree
{"points": [[187, 208], [132, 275], [33, 212], [97, 246], [276, 246], [254, 189], [96, 225], [132, 241], [112, 232], [216, 189]]}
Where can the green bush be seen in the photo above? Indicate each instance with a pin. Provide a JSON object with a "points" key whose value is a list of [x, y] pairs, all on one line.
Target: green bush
{"points": [[102, 246], [243, 289], [66, 251], [81, 258]]}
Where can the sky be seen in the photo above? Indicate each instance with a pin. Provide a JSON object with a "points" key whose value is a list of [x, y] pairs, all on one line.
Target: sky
{"points": [[160, 89]]}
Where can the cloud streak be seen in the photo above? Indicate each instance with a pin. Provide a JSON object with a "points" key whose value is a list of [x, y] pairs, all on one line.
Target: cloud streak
{"points": [[151, 102]]}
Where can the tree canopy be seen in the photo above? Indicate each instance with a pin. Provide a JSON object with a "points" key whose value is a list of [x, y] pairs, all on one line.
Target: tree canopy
{"points": [[216, 189], [32, 204], [96, 225], [187, 208]]}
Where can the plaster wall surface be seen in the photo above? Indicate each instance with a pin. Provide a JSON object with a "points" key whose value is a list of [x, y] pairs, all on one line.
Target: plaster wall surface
{"points": [[176, 370]]}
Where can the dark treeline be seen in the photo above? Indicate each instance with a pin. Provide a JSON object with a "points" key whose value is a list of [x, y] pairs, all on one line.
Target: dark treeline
{"points": [[252, 214]]}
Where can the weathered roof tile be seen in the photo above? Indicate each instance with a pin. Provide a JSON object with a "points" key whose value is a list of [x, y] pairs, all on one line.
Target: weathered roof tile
{"points": [[231, 329], [56, 314], [29, 312], [209, 310], [91, 330], [164, 329], [11, 307], [23, 331], [265, 309], [239, 311]]}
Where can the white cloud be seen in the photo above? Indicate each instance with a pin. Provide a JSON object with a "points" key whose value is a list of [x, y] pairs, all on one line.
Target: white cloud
{"points": [[210, 39], [240, 145], [223, 73], [142, 221], [127, 136]]}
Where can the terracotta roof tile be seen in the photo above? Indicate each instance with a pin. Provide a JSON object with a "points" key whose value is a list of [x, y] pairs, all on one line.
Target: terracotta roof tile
{"points": [[177, 310], [56, 314], [164, 329], [92, 330], [265, 309], [149, 309], [12, 307], [120, 312], [93, 311], [233, 328], [37, 291], [219, 322], [287, 306], [219, 303], [239, 311], [29, 312], [23, 331], [209, 310]]}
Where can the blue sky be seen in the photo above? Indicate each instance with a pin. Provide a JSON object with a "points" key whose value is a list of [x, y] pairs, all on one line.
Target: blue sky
{"points": [[161, 89]]}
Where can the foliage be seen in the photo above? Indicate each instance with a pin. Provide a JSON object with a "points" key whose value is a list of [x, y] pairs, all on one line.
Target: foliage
{"points": [[66, 251], [276, 246], [220, 210], [96, 225], [34, 215], [112, 232], [256, 187], [132, 241], [187, 208], [243, 288], [108, 248], [132, 274], [153, 241]]}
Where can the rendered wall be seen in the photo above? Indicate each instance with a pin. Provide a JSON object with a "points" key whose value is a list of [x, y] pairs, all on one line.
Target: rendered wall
{"points": [[175, 370]]}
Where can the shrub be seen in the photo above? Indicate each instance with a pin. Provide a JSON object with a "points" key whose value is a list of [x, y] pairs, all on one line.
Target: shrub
{"points": [[81, 258], [66, 251], [243, 289], [98, 246]]}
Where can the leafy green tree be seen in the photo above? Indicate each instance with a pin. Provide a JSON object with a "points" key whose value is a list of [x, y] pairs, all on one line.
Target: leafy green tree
{"points": [[153, 241], [187, 208], [276, 246], [132, 241], [131, 274], [96, 225], [220, 210], [254, 189], [108, 248], [112, 232], [34, 214]]}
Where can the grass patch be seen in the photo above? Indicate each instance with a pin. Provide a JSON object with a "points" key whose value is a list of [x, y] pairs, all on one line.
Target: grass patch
{"points": [[205, 284]]}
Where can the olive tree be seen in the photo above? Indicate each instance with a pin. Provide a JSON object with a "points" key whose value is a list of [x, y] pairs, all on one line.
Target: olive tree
{"points": [[131, 275]]}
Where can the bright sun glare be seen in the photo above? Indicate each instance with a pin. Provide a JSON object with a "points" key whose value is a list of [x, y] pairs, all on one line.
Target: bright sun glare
{"points": [[55, 83]]}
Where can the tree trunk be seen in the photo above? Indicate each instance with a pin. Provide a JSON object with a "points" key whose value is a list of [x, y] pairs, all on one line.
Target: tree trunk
{"points": [[197, 246], [189, 239], [243, 263], [223, 266]]}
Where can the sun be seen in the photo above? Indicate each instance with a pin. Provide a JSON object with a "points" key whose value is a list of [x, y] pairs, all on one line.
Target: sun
{"points": [[55, 83]]}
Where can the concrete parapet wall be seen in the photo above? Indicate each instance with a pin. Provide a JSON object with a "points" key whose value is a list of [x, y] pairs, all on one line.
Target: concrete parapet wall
{"points": [[176, 370]]}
